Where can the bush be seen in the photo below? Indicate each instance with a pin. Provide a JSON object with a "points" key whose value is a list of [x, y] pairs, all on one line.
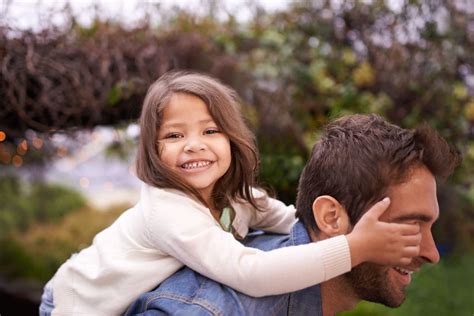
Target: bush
{"points": [[24, 204], [281, 173], [52, 202], [38, 252]]}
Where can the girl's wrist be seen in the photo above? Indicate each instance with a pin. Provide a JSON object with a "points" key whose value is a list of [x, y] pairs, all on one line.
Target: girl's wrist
{"points": [[356, 249]]}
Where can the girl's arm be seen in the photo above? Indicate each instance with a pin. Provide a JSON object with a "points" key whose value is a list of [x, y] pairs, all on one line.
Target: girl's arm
{"points": [[274, 217], [178, 227], [277, 217]]}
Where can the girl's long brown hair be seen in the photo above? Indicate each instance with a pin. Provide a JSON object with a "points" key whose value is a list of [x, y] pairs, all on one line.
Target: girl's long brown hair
{"points": [[222, 103]]}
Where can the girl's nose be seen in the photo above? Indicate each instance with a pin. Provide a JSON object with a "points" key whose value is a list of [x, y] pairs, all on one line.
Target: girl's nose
{"points": [[194, 145]]}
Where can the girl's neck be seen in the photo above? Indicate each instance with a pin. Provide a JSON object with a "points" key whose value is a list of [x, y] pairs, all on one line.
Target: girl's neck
{"points": [[216, 213]]}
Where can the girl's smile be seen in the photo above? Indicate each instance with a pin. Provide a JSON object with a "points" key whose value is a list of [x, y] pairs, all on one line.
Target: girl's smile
{"points": [[196, 166], [191, 144]]}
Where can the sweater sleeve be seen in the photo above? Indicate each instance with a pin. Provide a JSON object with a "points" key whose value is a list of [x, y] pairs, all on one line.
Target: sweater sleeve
{"points": [[194, 238], [275, 216]]}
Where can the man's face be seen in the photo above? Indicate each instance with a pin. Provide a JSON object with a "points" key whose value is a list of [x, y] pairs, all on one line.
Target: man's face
{"points": [[411, 202]]}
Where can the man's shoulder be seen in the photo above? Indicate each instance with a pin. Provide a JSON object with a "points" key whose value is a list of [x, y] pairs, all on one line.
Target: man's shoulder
{"points": [[266, 241], [269, 241], [190, 293]]}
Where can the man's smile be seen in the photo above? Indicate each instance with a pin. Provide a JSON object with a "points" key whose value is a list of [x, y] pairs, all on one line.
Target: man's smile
{"points": [[404, 275]]}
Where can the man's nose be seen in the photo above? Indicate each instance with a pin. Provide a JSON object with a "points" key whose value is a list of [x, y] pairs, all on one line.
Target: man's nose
{"points": [[194, 144], [428, 249]]}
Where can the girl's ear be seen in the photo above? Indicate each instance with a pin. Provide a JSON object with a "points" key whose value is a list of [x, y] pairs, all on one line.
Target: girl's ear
{"points": [[330, 216]]}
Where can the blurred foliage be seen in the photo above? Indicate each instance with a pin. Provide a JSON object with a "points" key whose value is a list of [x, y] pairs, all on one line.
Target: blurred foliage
{"points": [[37, 252], [23, 205], [318, 60], [294, 69], [443, 289], [282, 172], [123, 144]]}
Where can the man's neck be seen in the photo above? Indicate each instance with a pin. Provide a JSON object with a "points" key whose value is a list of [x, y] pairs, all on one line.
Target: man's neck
{"points": [[337, 296]]}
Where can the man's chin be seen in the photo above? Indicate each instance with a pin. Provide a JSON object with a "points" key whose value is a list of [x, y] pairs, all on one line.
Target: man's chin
{"points": [[388, 302], [377, 284]]}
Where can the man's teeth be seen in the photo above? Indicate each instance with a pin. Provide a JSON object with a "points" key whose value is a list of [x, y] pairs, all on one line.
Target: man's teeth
{"points": [[404, 271], [196, 164]]}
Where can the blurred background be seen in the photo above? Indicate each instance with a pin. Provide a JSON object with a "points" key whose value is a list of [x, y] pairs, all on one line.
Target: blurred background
{"points": [[73, 76]]}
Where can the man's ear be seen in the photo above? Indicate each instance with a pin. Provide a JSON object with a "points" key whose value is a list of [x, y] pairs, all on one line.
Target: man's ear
{"points": [[330, 216]]}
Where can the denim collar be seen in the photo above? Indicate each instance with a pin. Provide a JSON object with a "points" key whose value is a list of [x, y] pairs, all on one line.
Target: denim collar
{"points": [[307, 301], [299, 234]]}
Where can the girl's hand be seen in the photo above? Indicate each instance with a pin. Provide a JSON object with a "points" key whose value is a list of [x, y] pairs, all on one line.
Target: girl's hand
{"points": [[381, 242]]}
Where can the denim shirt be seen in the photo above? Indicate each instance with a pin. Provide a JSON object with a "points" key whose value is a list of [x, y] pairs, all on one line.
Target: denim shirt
{"points": [[189, 293]]}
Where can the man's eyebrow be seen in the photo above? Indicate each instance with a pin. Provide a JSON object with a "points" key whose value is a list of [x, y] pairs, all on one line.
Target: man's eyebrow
{"points": [[411, 217]]}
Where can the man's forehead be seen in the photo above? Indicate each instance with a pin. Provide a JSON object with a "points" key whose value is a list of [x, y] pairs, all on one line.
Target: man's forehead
{"points": [[414, 199]]}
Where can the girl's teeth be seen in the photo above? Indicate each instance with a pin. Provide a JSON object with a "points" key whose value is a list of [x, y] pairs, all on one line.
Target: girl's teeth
{"points": [[197, 164]]}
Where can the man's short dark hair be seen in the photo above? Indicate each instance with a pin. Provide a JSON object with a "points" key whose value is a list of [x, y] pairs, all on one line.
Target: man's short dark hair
{"points": [[359, 156]]}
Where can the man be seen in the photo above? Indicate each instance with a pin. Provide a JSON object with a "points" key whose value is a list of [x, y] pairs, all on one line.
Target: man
{"points": [[359, 160]]}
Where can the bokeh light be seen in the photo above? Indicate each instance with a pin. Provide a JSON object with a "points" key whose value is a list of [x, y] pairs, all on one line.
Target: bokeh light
{"points": [[37, 143], [5, 157], [84, 182], [108, 185], [22, 147], [131, 170], [17, 161], [62, 151]]}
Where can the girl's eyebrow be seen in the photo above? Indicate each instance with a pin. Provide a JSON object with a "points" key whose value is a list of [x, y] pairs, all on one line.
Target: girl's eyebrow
{"points": [[180, 124], [168, 125], [206, 121]]}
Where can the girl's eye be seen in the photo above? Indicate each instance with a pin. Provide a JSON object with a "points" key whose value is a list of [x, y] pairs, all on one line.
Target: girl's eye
{"points": [[211, 131], [172, 136]]}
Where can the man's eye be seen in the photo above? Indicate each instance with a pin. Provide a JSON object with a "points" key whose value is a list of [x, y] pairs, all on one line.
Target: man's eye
{"points": [[211, 131]]}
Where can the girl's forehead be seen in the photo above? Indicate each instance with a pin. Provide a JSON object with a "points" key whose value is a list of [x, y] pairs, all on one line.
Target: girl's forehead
{"points": [[185, 108]]}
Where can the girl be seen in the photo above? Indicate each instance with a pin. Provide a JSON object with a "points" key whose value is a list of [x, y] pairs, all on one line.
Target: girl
{"points": [[198, 160]]}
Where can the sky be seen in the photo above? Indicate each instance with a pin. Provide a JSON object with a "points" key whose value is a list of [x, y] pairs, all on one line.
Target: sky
{"points": [[37, 14], [33, 14]]}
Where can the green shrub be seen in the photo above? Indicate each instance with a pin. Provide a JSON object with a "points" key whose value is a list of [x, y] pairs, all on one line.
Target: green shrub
{"points": [[282, 172], [54, 201], [16, 261], [23, 204], [38, 252]]}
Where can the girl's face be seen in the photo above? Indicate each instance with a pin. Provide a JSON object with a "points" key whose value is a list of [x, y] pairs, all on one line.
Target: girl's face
{"points": [[191, 144]]}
